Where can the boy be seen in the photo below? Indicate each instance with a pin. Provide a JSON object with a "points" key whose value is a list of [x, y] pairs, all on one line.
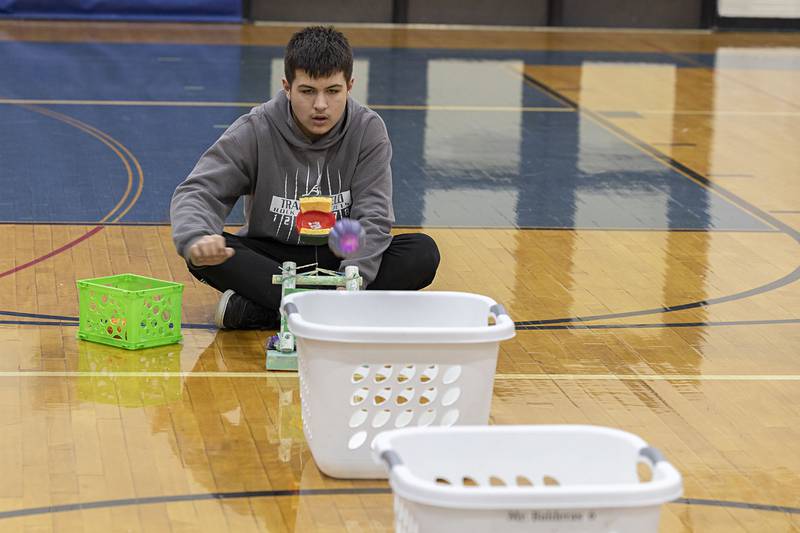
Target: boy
{"points": [[312, 138]]}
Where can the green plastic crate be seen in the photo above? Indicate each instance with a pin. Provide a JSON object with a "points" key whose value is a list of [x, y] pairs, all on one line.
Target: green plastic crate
{"points": [[130, 311]]}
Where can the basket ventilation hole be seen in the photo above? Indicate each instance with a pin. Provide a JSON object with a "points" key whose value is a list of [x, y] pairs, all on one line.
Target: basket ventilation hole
{"points": [[429, 374], [359, 396], [469, 482], [357, 440], [381, 418], [522, 481], [450, 418], [406, 373], [383, 373], [452, 374], [427, 418], [550, 481], [495, 481], [491, 321], [382, 396], [644, 472], [165, 316], [451, 396], [404, 397], [360, 373], [404, 418], [428, 396], [442, 481], [358, 418]]}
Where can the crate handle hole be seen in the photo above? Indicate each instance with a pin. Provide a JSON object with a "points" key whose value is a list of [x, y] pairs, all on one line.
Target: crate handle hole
{"points": [[442, 481], [469, 482]]}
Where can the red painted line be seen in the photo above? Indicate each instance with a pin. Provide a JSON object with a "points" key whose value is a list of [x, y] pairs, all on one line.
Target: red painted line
{"points": [[52, 253]]}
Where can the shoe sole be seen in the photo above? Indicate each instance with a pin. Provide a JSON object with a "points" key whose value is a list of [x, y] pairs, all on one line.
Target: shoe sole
{"points": [[219, 315]]}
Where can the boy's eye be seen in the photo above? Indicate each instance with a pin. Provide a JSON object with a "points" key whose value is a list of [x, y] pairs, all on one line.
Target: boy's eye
{"points": [[333, 91], [306, 91]]}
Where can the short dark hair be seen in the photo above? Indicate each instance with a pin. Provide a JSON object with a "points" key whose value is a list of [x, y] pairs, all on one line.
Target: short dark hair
{"points": [[319, 50]]}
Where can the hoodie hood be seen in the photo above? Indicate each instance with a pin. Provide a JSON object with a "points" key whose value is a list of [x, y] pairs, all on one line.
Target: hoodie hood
{"points": [[279, 113]]}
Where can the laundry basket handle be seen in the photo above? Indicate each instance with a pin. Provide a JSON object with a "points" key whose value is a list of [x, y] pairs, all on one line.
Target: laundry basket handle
{"points": [[290, 308], [652, 454], [498, 311], [391, 458]]}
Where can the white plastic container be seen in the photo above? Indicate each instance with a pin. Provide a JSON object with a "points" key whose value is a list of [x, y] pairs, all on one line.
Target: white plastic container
{"points": [[372, 361], [563, 478]]}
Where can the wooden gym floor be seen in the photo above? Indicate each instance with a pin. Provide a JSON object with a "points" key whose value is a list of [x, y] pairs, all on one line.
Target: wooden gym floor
{"points": [[631, 197]]}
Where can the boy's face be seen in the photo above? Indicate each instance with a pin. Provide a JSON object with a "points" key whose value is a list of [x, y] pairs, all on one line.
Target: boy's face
{"points": [[317, 103]]}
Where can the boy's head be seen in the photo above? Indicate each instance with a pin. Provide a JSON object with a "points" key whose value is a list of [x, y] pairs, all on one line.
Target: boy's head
{"points": [[318, 67]]}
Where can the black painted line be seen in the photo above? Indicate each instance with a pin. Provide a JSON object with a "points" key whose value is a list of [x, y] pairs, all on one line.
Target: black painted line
{"points": [[702, 181], [187, 497], [37, 315], [16, 513], [524, 326], [673, 144], [738, 505], [73, 322]]}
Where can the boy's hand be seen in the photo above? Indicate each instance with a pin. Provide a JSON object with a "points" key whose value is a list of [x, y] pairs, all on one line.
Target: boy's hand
{"points": [[209, 250]]}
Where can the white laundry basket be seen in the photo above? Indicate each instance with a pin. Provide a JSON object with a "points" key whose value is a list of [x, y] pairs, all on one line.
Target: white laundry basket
{"points": [[378, 360], [560, 478]]}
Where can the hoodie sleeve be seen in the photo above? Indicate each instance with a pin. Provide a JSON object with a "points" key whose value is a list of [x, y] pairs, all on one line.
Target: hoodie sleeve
{"points": [[203, 201], [371, 191]]}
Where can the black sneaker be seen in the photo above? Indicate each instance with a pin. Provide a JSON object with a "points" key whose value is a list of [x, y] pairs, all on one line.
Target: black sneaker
{"points": [[237, 312]]}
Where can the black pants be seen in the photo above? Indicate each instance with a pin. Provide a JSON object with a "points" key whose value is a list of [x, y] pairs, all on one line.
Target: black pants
{"points": [[409, 263]]}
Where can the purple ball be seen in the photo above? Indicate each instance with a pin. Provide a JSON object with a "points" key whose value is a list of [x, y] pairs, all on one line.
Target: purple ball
{"points": [[346, 238]]}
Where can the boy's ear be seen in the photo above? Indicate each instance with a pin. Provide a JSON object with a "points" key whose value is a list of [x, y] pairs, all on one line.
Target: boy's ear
{"points": [[350, 84], [286, 87]]}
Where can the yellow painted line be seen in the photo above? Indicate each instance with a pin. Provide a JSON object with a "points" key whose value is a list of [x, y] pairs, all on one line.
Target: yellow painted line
{"points": [[501, 377], [399, 107], [731, 112], [178, 103], [113, 144]]}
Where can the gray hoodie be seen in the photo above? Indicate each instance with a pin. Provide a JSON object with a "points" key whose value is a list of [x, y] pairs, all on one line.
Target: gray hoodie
{"points": [[265, 157]]}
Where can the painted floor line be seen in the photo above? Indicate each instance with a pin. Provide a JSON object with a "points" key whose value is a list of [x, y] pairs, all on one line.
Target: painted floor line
{"points": [[211, 103], [502, 377]]}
